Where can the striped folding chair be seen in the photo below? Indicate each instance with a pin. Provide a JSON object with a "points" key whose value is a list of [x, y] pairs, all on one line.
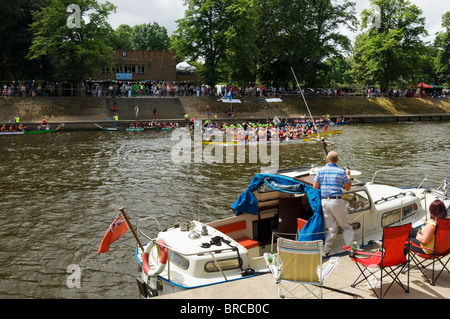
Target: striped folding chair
{"points": [[298, 264]]}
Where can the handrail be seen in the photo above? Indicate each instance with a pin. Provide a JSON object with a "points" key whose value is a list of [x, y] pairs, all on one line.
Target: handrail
{"points": [[389, 197]]}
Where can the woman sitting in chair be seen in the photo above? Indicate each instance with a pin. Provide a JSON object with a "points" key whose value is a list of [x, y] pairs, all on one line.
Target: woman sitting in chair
{"points": [[424, 236]]}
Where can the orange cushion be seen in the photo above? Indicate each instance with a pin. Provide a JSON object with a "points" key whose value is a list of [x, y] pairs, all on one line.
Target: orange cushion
{"points": [[247, 242], [232, 227]]}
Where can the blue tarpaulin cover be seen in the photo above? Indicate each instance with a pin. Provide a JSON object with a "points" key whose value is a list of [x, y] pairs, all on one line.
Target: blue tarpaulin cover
{"points": [[247, 202]]}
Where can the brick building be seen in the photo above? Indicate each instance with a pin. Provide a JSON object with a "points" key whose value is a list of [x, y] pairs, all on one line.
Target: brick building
{"points": [[137, 65]]}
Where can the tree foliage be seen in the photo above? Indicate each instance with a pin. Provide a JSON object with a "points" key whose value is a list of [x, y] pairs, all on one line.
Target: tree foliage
{"points": [[305, 33], [15, 39], [121, 38], [201, 35], [250, 40], [241, 48], [76, 52], [390, 50], [239, 41], [442, 44], [151, 37]]}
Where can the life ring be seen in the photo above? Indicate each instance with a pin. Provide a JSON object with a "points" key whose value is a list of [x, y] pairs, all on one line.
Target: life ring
{"points": [[162, 260]]}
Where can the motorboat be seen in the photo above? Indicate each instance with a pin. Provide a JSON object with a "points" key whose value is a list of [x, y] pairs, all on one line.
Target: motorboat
{"points": [[191, 254]]}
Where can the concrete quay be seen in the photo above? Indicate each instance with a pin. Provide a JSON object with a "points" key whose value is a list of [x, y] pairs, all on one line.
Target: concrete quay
{"points": [[263, 287], [80, 113]]}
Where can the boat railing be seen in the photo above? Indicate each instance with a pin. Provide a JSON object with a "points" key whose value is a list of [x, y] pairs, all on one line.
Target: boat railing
{"points": [[440, 184], [390, 197], [390, 169]]}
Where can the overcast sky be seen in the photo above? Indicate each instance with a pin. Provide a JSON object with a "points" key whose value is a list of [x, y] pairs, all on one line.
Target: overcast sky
{"points": [[166, 12]]}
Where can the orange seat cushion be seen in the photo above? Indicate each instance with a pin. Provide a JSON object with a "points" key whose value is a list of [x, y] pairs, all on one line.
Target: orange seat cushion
{"points": [[226, 229], [247, 242], [244, 241]]}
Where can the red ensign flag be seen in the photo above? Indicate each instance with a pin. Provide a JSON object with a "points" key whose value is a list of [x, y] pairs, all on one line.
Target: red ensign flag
{"points": [[115, 230]]}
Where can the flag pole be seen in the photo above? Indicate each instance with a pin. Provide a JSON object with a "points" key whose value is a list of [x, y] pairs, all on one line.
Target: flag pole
{"points": [[122, 211]]}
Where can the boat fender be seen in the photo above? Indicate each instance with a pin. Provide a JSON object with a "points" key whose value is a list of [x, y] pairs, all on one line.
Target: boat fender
{"points": [[248, 272], [252, 272], [162, 260]]}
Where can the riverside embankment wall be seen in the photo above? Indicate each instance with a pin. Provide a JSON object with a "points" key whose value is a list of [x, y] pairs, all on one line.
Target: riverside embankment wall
{"points": [[83, 112]]}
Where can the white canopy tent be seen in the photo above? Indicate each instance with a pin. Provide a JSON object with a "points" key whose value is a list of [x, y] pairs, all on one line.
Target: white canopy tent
{"points": [[184, 66]]}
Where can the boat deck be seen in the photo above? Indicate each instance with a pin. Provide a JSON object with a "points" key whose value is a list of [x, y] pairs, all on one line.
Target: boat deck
{"points": [[264, 287]]}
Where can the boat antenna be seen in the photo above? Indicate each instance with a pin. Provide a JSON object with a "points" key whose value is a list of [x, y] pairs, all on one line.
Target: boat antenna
{"points": [[444, 190], [307, 107]]}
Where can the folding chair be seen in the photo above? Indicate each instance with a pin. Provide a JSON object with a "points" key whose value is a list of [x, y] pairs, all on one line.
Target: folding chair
{"points": [[300, 263], [439, 253], [391, 259]]}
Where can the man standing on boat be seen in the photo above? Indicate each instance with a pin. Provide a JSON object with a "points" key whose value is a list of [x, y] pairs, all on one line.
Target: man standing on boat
{"points": [[16, 122], [331, 180]]}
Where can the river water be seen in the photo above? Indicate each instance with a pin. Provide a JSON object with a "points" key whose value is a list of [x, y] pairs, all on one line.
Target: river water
{"points": [[60, 192]]}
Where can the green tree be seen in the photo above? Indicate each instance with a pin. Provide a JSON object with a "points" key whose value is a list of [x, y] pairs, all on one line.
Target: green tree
{"points": [[248, 40], [241, 48], [152, 37], [201, 35], [76, 52], [442, 43], [390, 49], [121, 38], [337, 73], [301, 34], [327, 41], [281, 41], [15, 39]]}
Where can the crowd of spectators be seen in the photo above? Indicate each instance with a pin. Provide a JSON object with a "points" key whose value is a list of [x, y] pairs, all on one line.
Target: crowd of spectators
{"points": [[29, 88], [170, 89], [144, 89]]}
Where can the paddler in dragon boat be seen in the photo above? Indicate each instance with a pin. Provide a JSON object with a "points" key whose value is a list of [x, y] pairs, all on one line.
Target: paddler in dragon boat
{"points": [[249, 131], [44, 125]]}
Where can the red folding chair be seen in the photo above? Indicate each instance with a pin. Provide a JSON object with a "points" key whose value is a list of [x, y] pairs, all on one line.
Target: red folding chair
{"points": [[391, 260], [439, 253]]}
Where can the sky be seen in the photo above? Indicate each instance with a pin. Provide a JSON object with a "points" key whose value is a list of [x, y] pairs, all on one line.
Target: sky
{"points": [[166, 12]]}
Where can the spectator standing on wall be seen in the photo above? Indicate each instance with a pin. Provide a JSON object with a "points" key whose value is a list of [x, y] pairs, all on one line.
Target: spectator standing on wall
{"points": [[136, 111]]}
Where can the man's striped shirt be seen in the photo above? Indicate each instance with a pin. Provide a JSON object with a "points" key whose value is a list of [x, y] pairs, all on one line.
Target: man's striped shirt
{"points": [[331, 179]]}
